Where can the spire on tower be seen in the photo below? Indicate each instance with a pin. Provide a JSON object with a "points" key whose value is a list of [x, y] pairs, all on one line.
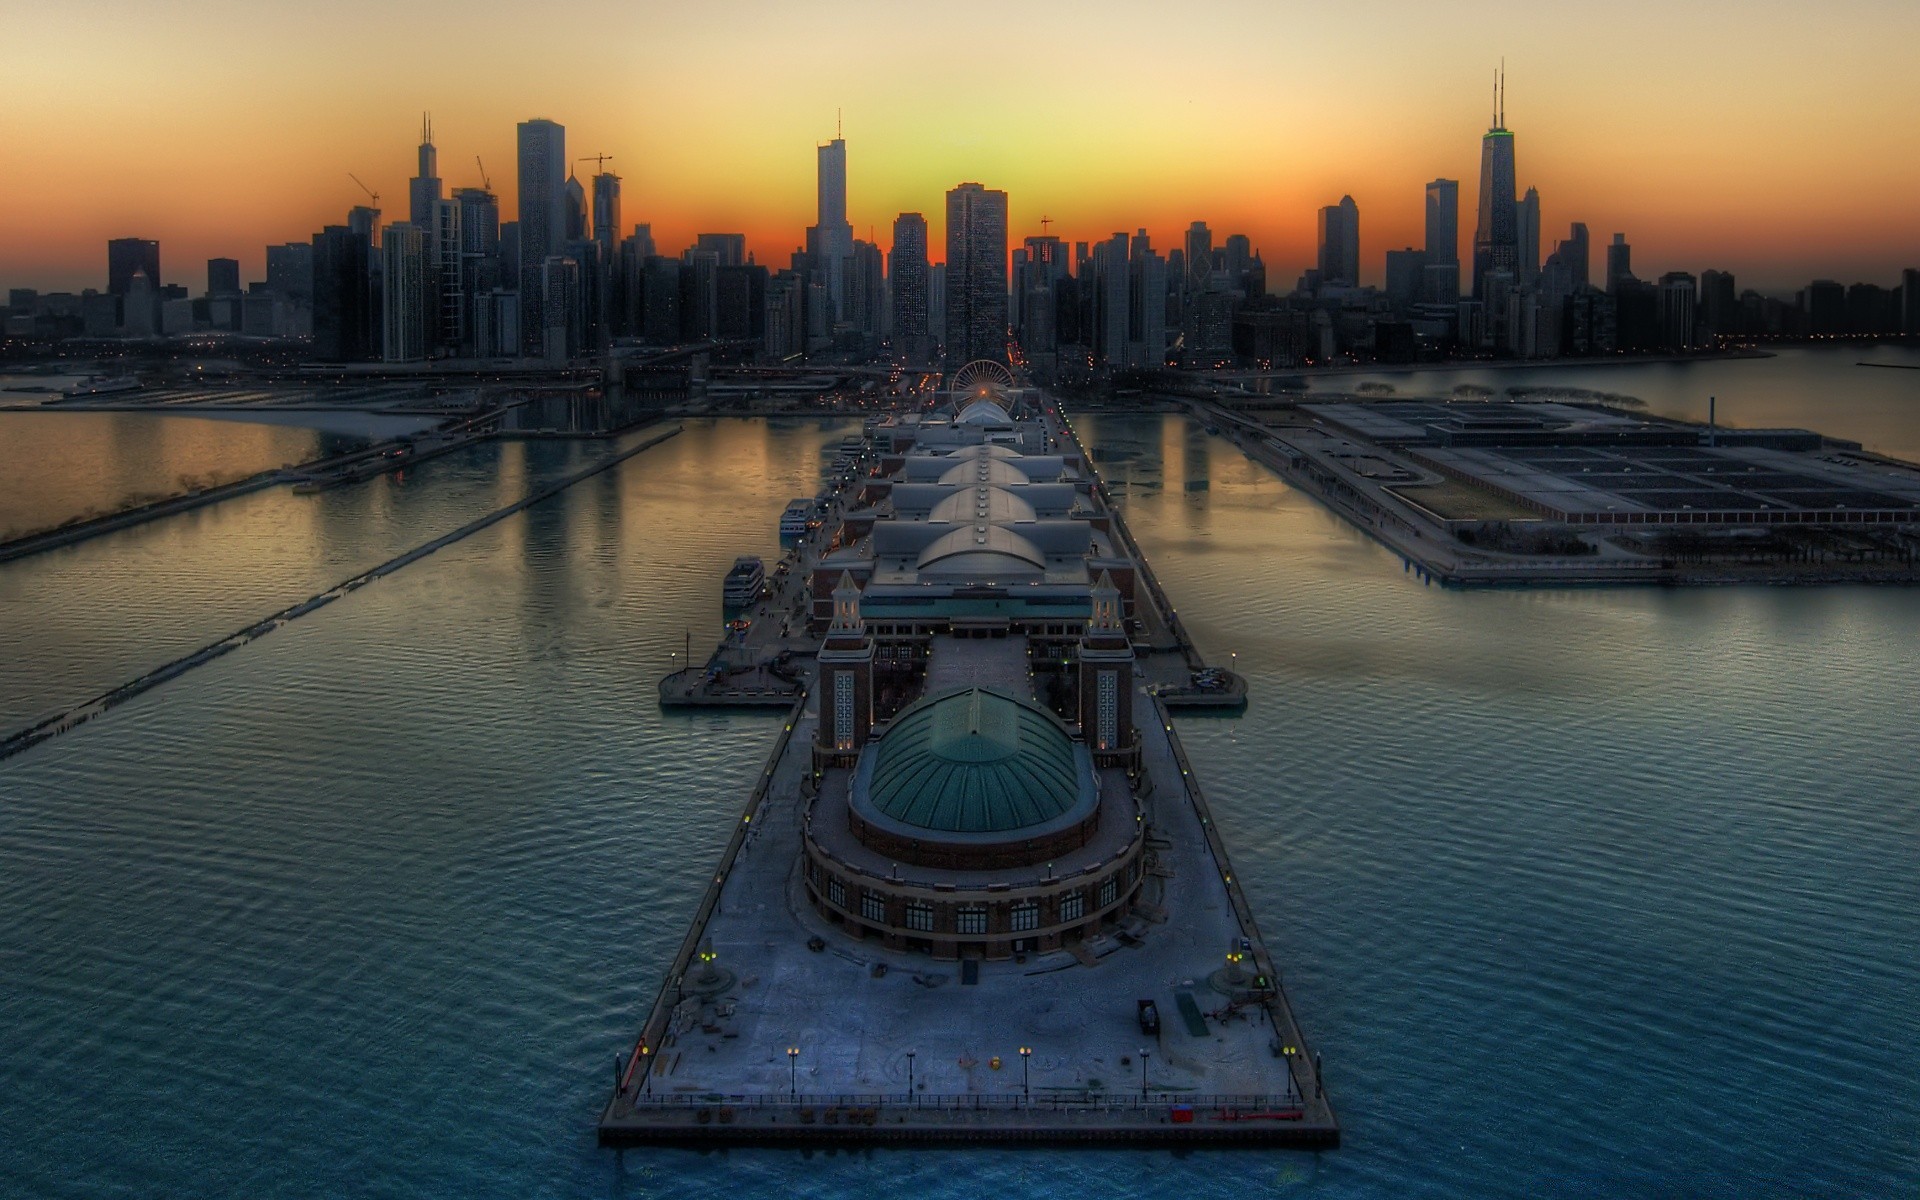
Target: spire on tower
{"points": [[426, 129]]}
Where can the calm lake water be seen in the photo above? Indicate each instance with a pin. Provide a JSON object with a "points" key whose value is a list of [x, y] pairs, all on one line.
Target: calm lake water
{"points": [[58, 466], [1580, 892]]}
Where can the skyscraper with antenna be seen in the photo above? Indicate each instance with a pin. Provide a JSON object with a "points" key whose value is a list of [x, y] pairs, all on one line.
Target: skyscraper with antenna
{"points": [[424, 192], [830, 238], [1496, 236]]}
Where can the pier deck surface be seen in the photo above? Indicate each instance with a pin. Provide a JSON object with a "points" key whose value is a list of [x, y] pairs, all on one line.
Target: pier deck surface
{"points": [[900, 1046], [854, 1027]]}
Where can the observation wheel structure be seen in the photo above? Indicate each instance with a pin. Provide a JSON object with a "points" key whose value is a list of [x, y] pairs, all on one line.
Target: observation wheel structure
{"points": [[982, 372]]}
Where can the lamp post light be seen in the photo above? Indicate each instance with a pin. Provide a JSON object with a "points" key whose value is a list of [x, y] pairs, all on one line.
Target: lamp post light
{"points": [[910, 1057], [1144, 1052], [1026, 1088], [793, 1070]]}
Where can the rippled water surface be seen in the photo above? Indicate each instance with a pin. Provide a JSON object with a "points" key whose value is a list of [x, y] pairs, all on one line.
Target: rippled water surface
{"points": [[60, 466], [1588, 893]]}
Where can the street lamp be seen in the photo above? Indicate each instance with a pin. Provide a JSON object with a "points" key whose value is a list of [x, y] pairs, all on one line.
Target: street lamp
{"points": [[1144, 1052], [793, 1070], [1026, 1089], [910, 1056]]}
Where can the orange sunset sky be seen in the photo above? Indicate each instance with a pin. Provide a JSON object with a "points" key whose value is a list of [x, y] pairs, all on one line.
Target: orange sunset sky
{"points": [[1778, 140]]}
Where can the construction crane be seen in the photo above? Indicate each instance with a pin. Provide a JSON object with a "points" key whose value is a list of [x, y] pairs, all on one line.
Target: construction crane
{"points": [[363, 187], [484, 181], [599, 161]]}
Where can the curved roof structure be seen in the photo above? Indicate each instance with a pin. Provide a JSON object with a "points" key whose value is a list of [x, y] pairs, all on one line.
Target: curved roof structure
{"points": [[983, 502], [983, 412], [984, 470], [998, 550], [976, 762], [990, 450]]}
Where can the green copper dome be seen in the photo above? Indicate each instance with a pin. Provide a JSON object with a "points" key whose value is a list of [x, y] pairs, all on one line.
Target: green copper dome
{"points": [[975, 762]]}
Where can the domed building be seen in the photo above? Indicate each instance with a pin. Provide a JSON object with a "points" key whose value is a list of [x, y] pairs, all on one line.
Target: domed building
{"points": [[974, 824]]}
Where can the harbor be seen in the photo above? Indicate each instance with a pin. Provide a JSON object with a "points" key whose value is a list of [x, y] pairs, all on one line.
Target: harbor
{"points": [[976, 892]]}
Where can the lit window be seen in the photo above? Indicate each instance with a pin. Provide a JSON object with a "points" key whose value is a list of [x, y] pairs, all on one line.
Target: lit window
{"points": [[837, 892], [972, 918], [1073, 906], [920, 917], [1109, 892], [1025, 916], [873, 906], [843, 710], [1107, 718]]}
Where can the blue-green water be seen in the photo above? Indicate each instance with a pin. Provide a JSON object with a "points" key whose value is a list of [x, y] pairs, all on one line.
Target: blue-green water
{"points": [[1586, 893]]}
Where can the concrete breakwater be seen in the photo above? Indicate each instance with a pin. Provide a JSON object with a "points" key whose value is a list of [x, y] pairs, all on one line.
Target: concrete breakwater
{"points": [[99, 705]]}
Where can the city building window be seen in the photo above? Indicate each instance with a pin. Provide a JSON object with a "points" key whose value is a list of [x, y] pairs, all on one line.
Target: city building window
{"points": [[971, 918], [1025, 916], [1107, 718], [919, 916], [843, 710], [837, 892], [1073, 906], [873, 906], [1109, 892]]}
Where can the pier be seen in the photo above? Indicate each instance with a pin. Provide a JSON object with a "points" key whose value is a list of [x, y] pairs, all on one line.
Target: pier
{"points": [[865, 969]]}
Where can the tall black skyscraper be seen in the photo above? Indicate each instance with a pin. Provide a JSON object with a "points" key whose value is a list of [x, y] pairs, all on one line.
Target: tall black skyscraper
{"points": [[1619, 262], [424, 190], [907, 271], [543, 220], [128, 255], [976, 274], [1496, 237], [344, 325], [223, 277], [830, 237], [1443, 221], [1340, 243]]}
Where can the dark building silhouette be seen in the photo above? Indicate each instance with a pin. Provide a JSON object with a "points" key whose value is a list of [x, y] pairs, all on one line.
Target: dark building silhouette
{"points": [[345, 325], [1719, 305], [1619, 262], [542, 226], [976, 274], [126, 257], [223, 277], [423, 190], [290, 270], [1679, 309], [1340, 243], [1443, 222], [1496, 236], [907, 271], [728, 249], [1826, 307]]}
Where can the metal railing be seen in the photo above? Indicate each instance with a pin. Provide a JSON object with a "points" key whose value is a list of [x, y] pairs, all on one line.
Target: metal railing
{"points": [[969, 1102]]}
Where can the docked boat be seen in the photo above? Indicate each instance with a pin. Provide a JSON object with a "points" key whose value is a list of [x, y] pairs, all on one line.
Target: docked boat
{"points": [[742, 584], [795, 521]]}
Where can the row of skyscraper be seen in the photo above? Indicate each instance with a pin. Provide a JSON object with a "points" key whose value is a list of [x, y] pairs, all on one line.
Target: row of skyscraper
{"points": [[567, 278]]}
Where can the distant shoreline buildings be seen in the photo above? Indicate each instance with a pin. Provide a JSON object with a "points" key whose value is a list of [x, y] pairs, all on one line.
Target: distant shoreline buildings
{"points": [[565, 280]]}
